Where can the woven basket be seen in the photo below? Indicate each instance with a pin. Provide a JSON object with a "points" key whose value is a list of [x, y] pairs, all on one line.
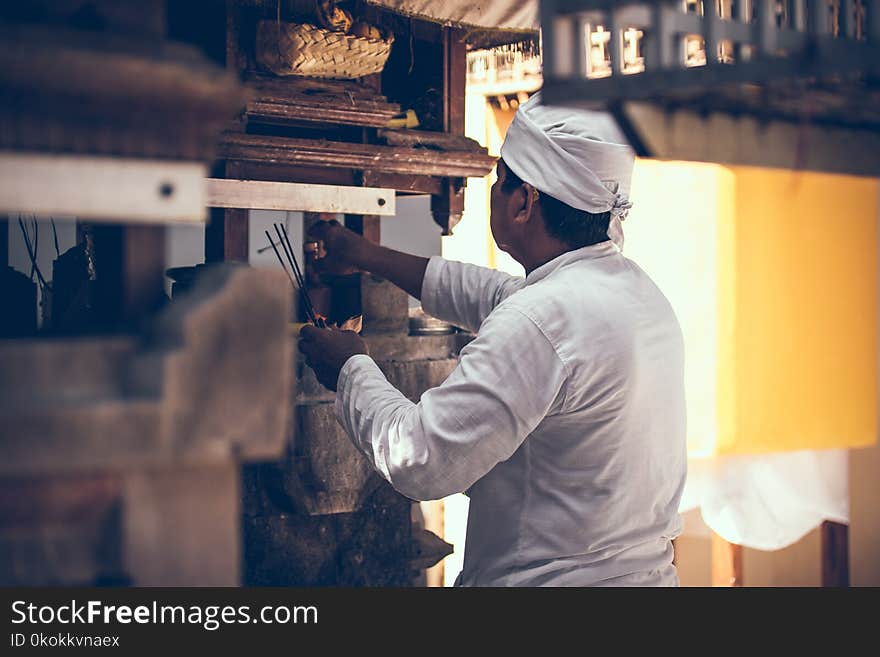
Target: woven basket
{"points": [[300, 49]]}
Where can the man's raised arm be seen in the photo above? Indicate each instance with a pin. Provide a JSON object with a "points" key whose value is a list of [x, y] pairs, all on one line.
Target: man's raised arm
{"points": [[338, 250], [455, 292]]}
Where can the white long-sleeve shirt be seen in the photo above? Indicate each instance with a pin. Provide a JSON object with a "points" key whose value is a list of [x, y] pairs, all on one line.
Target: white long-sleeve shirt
{"points": [[564, 421]]}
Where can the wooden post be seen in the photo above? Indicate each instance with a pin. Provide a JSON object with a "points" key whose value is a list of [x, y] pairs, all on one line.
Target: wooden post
{"points": [[448, 206], [835, 554], [727, 567], [454, 80], [236, 58], [226, 235], [368, 225], [4, 241], [130, 264]]}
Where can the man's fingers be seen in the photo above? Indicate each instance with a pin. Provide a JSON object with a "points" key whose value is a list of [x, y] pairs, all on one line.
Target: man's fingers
{"points": [[313, 341], [311, 333], [318, 230], [308, 337], [307, 332], [315, 249]]}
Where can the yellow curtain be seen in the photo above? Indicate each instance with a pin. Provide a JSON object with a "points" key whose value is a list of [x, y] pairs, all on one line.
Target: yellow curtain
{"points": [[773, 275], [798, 307]]}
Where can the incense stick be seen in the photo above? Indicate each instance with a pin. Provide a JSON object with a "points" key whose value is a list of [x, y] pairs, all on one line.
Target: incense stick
{"points": [[32, 253], [287, 254], [299, 275], [280, 261], [290, 278], [306, 300], [297, 272]]}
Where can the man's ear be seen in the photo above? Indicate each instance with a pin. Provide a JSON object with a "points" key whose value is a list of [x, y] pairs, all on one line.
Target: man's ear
{"points": [[530, 198]]}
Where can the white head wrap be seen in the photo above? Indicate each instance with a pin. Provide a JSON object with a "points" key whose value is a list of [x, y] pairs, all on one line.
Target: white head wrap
{"points": [[576, 156]]}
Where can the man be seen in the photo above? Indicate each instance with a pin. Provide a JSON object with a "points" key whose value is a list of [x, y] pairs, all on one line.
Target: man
{"points": [[565, 418]]}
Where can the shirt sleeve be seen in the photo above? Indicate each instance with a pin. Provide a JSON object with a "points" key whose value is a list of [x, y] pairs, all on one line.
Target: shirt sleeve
{"points": [[464, 294], [507, 380]]}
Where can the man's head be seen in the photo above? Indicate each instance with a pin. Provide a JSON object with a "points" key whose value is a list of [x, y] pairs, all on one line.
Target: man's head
{"points": [[563, 181], [523, 218]]}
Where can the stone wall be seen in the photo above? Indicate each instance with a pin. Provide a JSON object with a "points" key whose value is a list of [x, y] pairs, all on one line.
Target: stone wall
{"points": [[322, 515]]}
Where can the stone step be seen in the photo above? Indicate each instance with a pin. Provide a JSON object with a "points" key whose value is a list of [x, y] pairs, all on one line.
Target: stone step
{"points": [[415, 377], [385, 307], [411, 348]]}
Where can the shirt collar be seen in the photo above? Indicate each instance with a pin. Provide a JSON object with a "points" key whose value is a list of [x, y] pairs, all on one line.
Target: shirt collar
{"points": [[600, 250]]}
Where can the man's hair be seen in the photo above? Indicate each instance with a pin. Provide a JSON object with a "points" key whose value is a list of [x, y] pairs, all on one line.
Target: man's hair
{"points": [[575, 228]]}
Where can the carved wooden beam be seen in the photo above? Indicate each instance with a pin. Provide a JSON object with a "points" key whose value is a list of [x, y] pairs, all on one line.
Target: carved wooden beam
{"points": [[361, 157], [296, 99], [406, 184], [438, 141]]}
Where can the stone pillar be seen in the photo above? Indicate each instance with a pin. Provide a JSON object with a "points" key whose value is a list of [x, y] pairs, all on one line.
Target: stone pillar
{"points": [[322, 515]]}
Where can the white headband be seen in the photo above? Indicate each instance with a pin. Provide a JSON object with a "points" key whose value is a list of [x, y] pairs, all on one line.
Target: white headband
{"points": [[576, 156]]}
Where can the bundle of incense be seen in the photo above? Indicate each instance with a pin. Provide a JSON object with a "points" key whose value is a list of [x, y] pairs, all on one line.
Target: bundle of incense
{"points": [[296, 279]]}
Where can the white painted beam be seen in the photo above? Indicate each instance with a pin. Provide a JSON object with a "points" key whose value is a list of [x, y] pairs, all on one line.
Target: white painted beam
{"points": [[122, 190], [261, 195]]}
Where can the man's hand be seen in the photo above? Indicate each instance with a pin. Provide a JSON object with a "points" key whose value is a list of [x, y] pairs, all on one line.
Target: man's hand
{"points": [[333, 248], [327, 350]]}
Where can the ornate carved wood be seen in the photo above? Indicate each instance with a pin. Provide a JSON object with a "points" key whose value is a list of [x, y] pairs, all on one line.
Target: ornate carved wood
{"points": [[443, 142], [362, 157], [290, 100]]}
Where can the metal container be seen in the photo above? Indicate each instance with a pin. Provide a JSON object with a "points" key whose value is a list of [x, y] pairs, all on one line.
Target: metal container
{"points": [[420, 323]]}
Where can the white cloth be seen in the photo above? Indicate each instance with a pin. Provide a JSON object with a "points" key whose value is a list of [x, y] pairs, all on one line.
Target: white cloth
{"points": [[769, 501], [576, 156], [564, 419]]}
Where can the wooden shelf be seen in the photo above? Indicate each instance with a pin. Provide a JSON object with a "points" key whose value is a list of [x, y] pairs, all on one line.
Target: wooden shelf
{"points": [[293, 100], [362, 157]]}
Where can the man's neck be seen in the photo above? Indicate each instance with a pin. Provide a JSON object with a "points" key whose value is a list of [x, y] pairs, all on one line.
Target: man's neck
{"points": [[542, 253]]}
